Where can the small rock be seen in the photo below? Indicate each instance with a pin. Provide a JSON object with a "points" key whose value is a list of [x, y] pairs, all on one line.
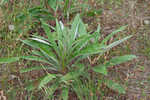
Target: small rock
{"points": [[147, 22], [11, 27]]}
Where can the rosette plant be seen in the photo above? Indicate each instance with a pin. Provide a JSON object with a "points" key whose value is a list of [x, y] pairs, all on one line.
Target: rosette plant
{"points": [[61, 54]]}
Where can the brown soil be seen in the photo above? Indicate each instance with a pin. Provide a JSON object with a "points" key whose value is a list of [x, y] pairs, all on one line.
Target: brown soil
{"points": [[136, 74]]}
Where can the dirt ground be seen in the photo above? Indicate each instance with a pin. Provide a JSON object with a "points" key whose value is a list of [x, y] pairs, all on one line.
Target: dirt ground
{"points": [[135, 14]]}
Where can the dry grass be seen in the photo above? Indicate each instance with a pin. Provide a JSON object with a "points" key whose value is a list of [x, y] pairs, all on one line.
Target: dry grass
{"points": [[131, 13], [1, 15]]}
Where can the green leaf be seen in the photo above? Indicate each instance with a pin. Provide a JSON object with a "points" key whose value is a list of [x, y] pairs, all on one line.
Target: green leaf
{"points": [[3, 2], [40, 37], [81, 41], [96, 35], [75, 27], [78, 87], [30, 86], [69, 76], [38, 53], [53, 4], [82, 28], [45, 48], [21, 17], [46, 79], [92, 49], [52, 88], [59, 30], [100, 69], [113, 33], [48, 53], [9, 60], [120, 59], [66, 5], [78, 27], [72, 75], [40, 40], [35, 68], [39, 13], [98, 32], [94, 12], [65, 92], [43, 55], [47, 30], [34, 58], [79, 44], [115, 86], [34, 10], [117, 42], [33, 43]]}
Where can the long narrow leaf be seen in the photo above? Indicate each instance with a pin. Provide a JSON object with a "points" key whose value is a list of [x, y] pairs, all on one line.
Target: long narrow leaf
{"points": [[120, 59], [40, 37], [46, 56], [81, 27], [59, 30], [113, 33], [35, 68], [34, 58], [72, 75], [51, 89], [115, 86], [40, 40], [50, 35], [32, 85], [52, 4], [30, 43], [101, 69], [65, 92], [49, 53], [92, 49], [38, 53], [9, 60], [46, 79], [48, 32], [75, 27], [81, 42], [117, 42]]}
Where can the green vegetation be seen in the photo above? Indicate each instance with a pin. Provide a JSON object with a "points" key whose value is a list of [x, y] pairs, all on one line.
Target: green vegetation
{"points": [[61, 50]]}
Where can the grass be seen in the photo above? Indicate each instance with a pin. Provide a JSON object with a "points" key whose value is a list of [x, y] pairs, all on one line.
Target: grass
{"points": [[10, 46], [63, 57]]}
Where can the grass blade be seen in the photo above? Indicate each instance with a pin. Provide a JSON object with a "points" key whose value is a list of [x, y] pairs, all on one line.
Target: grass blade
{"points": [[101, 69], [46, 79], [9, 60], [115, 86], [120, 59], [34, 58], [65, 92], [113, 33], [24, 70], [117, 42]]}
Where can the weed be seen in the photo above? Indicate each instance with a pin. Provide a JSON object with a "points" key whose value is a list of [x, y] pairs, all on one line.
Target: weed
{"points": [[61, 55]]}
